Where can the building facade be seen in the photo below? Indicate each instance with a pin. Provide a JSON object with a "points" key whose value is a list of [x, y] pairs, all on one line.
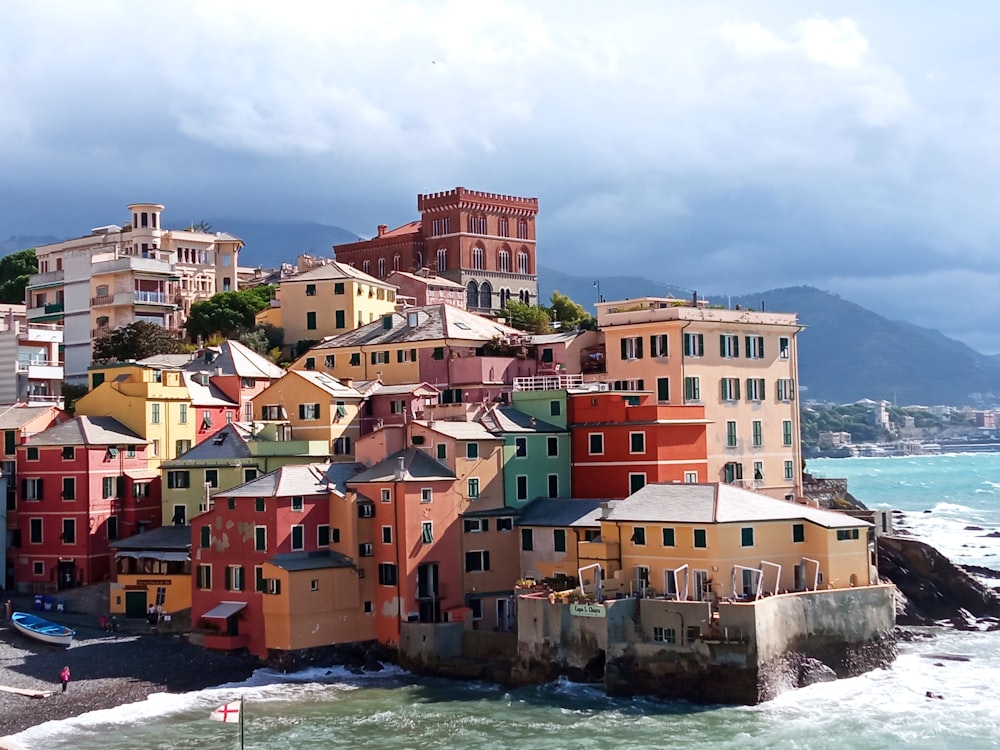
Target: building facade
{"points": [[31, 355]]}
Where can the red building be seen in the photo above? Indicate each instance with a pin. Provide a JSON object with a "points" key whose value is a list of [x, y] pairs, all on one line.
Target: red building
{"points": [[484, 242], [622, 442], [282, 512], [81, 485]]}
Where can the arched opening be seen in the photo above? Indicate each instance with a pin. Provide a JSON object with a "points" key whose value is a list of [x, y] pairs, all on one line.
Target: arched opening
{"points": [[486, 296], [472, 295]]}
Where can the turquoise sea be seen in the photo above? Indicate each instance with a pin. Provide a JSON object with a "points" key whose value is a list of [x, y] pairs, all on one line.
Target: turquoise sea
{"points": [[330, 708]]}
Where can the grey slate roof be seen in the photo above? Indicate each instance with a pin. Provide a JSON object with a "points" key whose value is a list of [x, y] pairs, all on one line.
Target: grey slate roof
{"points": [[512, 419], [14, 416], [717, 503], [315, 560], [234, 358], [163, 538], [229, 443], [562, 512], [303, 479], [87, 431], [166, 361], [416, 465]]}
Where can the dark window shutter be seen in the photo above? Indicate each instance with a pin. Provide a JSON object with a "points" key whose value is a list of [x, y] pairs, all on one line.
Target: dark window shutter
{"points": [[302, 411], [24, 489], [486, 560], [120, 487], [399, 355], [624, 348], [638, 347], [41, 491], [413, 355], [722, 345]]}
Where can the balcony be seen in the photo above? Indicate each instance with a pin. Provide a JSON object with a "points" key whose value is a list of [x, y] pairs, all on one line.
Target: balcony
{"points": [[41, 370], [102, 300], [96, 333], [110, 264], [152, 298], [54, 307]]}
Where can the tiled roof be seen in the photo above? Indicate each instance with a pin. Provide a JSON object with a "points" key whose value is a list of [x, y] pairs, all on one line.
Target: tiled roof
{"points": [[717, 503], [561, 512], [458, 430], [234, 358], [162, 538], [14, 416], [334, 270], [511, 419], [87, 431], [415, 465], [304, 479], [227, 444], [434, 322], [314, 560]]}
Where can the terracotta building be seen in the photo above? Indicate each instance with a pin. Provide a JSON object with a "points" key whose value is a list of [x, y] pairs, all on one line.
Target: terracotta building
{"points": [[483, 241]]}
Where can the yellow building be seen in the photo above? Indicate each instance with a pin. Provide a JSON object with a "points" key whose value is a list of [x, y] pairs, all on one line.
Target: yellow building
{"points": [[152, 402], [152, 568], [317, 407], [328, 300], [716, 541], [741, 365]]}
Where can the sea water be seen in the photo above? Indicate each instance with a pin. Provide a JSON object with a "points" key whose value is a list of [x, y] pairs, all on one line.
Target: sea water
{"points": [[950, 501]]}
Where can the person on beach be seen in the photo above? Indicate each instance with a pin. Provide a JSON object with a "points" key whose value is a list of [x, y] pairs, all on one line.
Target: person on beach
{"points": [[64, 678]]}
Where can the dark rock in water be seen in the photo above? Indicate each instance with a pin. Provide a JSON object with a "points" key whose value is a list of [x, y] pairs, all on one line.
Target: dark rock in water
{"points": [[973, 528], [928, 511], [812, 671], [947, 657], [992, 535], [372, 664], [937, 696]]}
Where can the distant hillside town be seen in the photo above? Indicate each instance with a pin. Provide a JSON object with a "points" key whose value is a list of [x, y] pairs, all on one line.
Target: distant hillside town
{"points": [[436, 466]]}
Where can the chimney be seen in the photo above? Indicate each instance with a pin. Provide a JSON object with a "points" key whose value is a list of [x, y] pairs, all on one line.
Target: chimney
{"points": [[695, 299], [382, 229], [347, 382], [401, 469]]}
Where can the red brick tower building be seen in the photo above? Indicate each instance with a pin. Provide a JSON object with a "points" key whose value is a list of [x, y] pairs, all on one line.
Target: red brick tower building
{"points": [[483, 241]]}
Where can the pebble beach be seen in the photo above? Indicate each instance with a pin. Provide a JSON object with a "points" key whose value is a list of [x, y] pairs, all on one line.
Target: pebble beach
{"points": [[108, 670]]}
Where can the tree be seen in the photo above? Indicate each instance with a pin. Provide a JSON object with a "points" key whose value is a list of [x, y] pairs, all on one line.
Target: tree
{"points": [[264, 338], [568, 312], [202, 226], [227, 314], [527, 317], [14, 272], [136, 341]]}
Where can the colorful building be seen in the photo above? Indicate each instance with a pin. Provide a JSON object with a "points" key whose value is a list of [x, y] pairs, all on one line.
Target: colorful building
{"points": [[152, 568], [118, 275], [31, 355], [484, 242], [558, 537], [83, 484], [426, 288], [740, 365], [238, 372]]}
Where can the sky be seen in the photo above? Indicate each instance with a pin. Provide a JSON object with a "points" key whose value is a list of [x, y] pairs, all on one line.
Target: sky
{"points": [[728, 147]]}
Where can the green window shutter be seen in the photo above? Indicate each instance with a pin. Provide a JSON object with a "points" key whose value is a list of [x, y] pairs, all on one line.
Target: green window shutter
{"points": [[399, 355], [760, 347], [206, 536], [722, 345], [9, 442], [624, 349]]}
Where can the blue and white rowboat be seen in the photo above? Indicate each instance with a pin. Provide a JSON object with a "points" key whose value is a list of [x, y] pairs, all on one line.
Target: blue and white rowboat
{"points": [[43, 630]]}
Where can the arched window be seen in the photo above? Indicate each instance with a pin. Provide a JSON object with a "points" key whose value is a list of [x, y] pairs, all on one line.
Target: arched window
{"points": [[395, 262], [504, 297], [366, 266], [503, 261], [420, 261], [486, 296], [477, 258], [472, 295], [525, 296], [522, 262], [442, 260], [381, 268], [504, 230], [522, 229]]}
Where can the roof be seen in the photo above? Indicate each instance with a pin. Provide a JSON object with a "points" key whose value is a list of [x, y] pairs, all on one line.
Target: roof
{"points": [[206, 395], [162, 538], [304, 479], [511, 419], [234, 358], [315, 560], [405, 389], [415, 464], [224, 610], [227, 444], [562, 512], [458, 430], [166, 361], [87, 431], [434, 280], [556, 337], [327, 383], [334, 270], [717, 503], [14, 416], [434, 322]]}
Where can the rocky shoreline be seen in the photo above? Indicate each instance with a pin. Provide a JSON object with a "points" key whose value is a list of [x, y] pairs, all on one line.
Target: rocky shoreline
{"points": [[107, 671]]}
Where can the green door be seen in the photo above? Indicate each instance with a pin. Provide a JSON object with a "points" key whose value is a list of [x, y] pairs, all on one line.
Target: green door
{"points": [[135, 603]]}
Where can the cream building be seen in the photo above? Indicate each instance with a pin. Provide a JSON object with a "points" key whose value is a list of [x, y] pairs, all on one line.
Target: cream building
{"points": [[118, 275]]}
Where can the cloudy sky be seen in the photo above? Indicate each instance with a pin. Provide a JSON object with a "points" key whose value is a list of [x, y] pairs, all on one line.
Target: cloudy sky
{"points": [[730, 146]]}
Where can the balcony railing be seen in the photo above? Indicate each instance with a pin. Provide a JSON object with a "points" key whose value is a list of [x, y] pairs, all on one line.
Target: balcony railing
{"points": [[152, 298], [96, 333], [103, 299], [54, 307]]}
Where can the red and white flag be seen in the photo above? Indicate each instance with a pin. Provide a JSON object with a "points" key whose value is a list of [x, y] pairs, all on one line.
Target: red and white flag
{"points": [[229, 713]]}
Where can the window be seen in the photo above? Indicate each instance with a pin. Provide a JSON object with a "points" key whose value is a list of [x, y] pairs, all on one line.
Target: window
{"points": [[179, 517], [297, 503], [694, 345], [338, 287], [477, 561], [758, 433], [552, 446], [68, 488], [205, 536], [520, 447], [32, 454], [69, 531], [637, 442], [503, 261], [426, 495], [664, 635], [472, 450], [596, 440], [758, 471], [730, 388], [308, 411], [438, 353], [310, 363], [235, 578], [68, 453], [204, 581], [729, 346], [632, 347], [746, 536], [32, 489], [755, 389], [522, 487], [700, 538], [638, 535], [844, 535], [477, 259], [473, 488], [154, 413], [311, 321], [366, 510], [35, 531], [658, 345], [427, 532], [786, 432], [555, 408], [130, 451], [522, 263], [553, 481], [298, 537], [636, 481], [442, 260], [663, 389], [387, 574], [559, 540], [505, 524], [732, 472], [785, 389], [527, 540], [112, 528], [755, 347], [798, 532], [691, 477], [182, 446], [692, 389], [260, 538], [731, 434], [212, 477], [107, 487], [668, 538], [177, 480], [789, 470], [387, 535], [476, 525], [406, 355], [356, 359], [784, 344]]}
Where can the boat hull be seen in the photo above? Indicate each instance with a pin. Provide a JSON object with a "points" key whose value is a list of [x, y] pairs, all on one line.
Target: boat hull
{"points": [[42, 630]]}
